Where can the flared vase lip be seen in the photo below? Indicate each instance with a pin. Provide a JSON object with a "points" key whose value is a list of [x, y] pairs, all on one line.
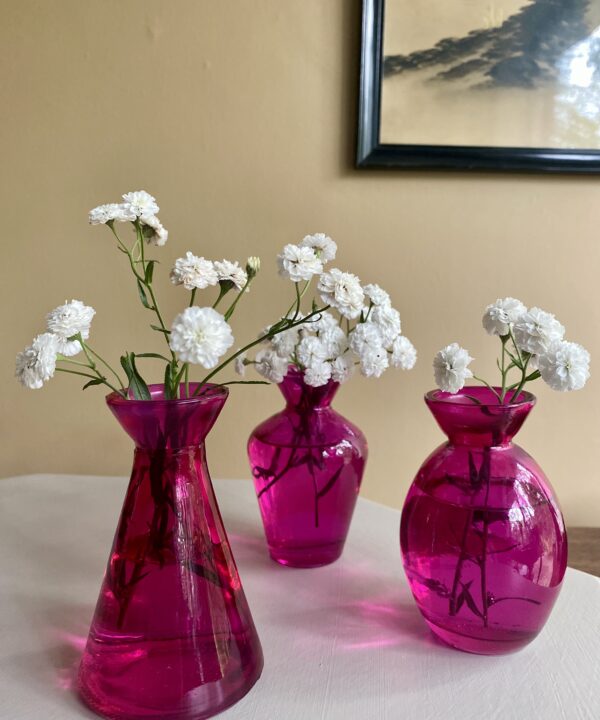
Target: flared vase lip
{"points": [[484, 395], [213, 392]]}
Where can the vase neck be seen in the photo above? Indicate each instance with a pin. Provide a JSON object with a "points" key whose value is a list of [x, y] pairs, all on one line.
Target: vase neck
{"points": [[300, 396], [169, 425], [474, 417]]}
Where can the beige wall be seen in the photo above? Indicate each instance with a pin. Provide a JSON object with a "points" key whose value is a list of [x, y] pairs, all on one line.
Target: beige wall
{"points": [[240, 117]]}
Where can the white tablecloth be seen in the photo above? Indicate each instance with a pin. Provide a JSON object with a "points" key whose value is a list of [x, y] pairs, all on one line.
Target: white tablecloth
{"points": [[340, 642]]}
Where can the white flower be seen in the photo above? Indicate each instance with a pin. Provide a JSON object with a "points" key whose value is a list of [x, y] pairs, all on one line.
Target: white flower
{"points": [[284, 343], [239, 365], [376, 295], [450, 368], [298, 263], [373, 362], [365, 336], [153, 231], [537, 330], [387, 320], [112, 211], [342, 368], [68, 320], [324, 247], [231, 272], [343, 292], [193, 272], [321, 322], [311, 351], [404, 355], [317, 374], [271, 366], [499, 318], [566, 366], [140, 203], [200, 336], [37, 363], [334, 340]]}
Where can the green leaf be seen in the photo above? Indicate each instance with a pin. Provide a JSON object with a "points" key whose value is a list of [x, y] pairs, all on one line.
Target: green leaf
{"points": [[142, 294], [137, 385], [152, 355], [97, 381], [150, 271]]}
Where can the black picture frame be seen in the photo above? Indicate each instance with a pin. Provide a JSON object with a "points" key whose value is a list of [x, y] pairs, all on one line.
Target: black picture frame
{"points": [[371, 153]]}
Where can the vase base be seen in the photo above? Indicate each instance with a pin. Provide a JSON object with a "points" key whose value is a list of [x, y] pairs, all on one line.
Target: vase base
{"points": [[503, 642], [310, 556], [121, 695]]}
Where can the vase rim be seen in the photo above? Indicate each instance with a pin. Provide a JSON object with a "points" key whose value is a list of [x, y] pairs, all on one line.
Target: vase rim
{"points": [[214, 391], [438, 396]]}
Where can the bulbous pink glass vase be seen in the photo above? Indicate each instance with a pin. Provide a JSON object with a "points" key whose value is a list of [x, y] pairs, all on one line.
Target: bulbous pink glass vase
{"points": [[172, 636], [483, 539], [307, 462]]}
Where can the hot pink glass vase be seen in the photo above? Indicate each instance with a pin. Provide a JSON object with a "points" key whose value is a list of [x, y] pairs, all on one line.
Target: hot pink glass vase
{"points": [[307, 462], [172, 636], [483, 539]]}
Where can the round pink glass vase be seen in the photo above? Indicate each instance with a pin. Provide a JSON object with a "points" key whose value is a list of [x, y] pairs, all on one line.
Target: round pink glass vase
{"points": [[483, 539], [307, 462], [172, 636]]}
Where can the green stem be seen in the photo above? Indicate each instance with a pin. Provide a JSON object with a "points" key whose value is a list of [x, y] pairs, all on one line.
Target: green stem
{"points": [[488, 386], [222, 293], [193, 297], [102, 360], [231, 309], [92, 377]]}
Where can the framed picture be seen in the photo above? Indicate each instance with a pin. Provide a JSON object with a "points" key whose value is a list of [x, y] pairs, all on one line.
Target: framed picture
{"points": [[480, 85]]}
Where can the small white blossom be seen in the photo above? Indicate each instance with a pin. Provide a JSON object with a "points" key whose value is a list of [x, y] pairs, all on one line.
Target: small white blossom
{"points": [[140, 203], [112, 211], [284, 343], [298, 263], [271, 366], [365, 336], [200, 336], [450, 368], [343, 292], [239, 365], [566, 366], [500, 317], [334, 340], [404, 355], [324, 247], [377, 295], [321, 322], [387, 320], [342, 368], [193, 272], [311, 351], [68, 320], [317, 374], [537, 330], [37, 363], [374, 362], [252, 266], [153, 231], [231, 272]]}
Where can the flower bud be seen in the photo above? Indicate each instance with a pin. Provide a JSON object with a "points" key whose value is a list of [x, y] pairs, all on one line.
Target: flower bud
{"points": [[252, 266]]}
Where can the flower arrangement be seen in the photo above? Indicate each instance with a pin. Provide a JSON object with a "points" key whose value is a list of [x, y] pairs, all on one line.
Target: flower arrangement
{"points": [[197, 336], [357, 327], [532, 347]]}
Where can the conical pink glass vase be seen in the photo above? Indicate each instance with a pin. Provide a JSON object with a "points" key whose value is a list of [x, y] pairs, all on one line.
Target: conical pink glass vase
{"points": [[307, 462], [483, 539], [172, 636]]}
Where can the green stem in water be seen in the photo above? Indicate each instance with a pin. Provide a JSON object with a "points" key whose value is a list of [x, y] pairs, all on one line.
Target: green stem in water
{"points": [[488, 386]]}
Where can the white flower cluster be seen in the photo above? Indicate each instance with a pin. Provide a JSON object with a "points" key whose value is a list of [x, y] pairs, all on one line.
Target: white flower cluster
{"points": [[321, 348], [197, 273], [136, 206], [539, 346], [37, 363]]}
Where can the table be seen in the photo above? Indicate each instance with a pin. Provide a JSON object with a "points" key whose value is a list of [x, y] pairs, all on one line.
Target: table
{"points": [[340, 642]]}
